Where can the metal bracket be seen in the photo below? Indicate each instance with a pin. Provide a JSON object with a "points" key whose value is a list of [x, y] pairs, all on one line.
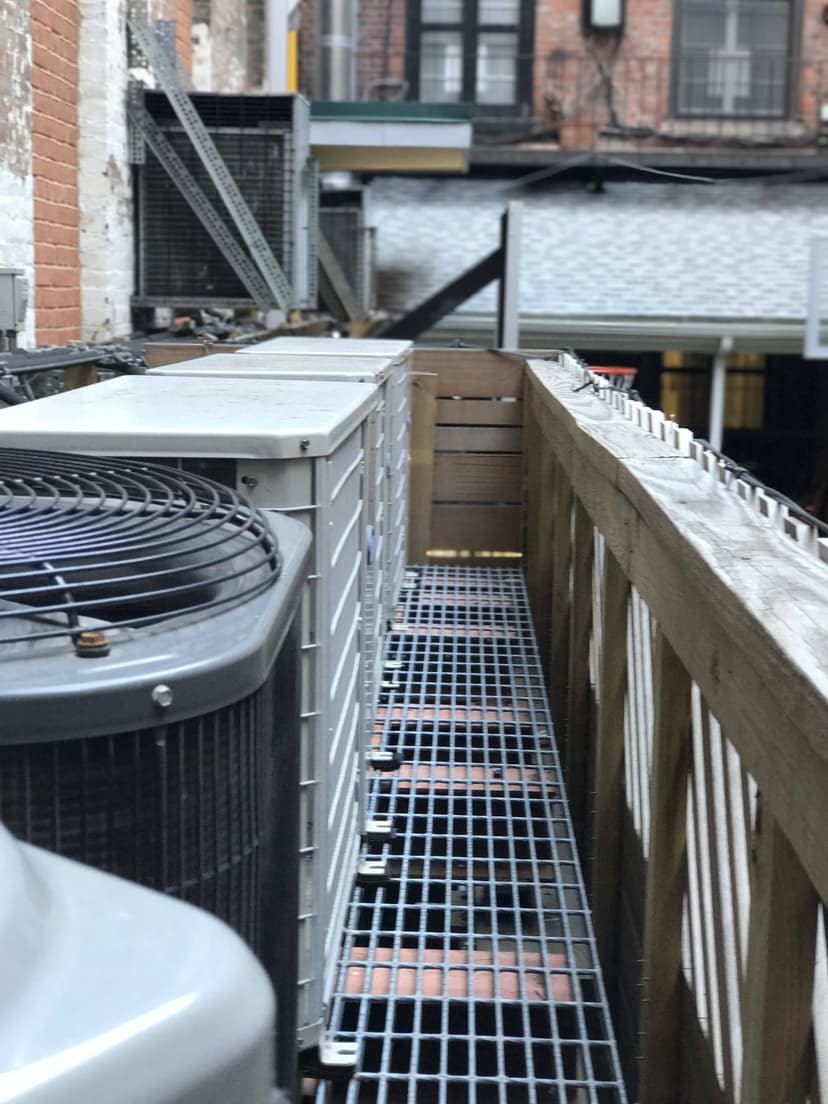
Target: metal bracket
{"points": [[379, 831], [203, 209], [337, 1060], [385, 761], [371, 873], [277, 283]]}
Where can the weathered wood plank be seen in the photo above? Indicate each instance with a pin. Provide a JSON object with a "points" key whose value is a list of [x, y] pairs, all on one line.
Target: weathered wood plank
{"points": [[421, 478], [468, 478], [538, 477], [158, 354], [660, 1079], [780, 973], [579, 691], [745, 608], [472, 373], [80, 375], [561, 608], [478, 439], [477, 528], [609, 759], [479, 412]]}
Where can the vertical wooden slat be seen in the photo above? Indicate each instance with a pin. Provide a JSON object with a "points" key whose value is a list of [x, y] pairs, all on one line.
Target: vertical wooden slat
{"points": [[780, 973], [423, 410], [561, 596], [578, 750], [666, 879], [609, 760], [539, 468], [80, 375]]}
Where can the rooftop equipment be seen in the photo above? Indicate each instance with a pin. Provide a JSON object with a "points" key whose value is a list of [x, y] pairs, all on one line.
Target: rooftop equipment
{"points": [[380, 488], [147, 622], [397, 400], [297, 447], [110, 990], [264, 143]]}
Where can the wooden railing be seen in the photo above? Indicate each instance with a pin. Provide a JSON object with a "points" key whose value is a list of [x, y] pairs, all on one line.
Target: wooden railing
{"points": [[682, 616]]}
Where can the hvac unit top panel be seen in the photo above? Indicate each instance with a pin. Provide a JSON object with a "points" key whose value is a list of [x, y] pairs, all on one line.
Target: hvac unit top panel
{"points": [[332, 346], [169, 416], [373, 370]]}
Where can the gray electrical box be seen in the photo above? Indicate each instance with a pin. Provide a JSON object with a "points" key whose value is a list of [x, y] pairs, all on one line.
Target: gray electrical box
{"points": [[14, 298]]}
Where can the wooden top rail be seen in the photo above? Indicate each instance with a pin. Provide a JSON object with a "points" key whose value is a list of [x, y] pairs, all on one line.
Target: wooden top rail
{"points": [[744, 607]]}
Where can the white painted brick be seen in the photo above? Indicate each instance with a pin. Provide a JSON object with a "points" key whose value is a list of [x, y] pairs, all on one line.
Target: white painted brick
{"points": [[104, 173]]}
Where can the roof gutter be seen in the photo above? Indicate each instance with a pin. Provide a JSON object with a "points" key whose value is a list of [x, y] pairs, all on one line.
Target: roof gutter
{"points": [[629, 333]]}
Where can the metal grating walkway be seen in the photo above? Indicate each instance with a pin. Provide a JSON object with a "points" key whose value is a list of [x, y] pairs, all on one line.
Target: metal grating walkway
{"points": [[471, 974]]}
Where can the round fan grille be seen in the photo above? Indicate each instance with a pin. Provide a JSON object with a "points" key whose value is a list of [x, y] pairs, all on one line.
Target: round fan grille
{"points": [[92, 542]]}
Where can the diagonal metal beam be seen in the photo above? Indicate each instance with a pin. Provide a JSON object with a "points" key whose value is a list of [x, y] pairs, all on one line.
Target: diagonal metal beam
{"points": [[201, 206], [444, 301], [336, 278], [245, 222]]}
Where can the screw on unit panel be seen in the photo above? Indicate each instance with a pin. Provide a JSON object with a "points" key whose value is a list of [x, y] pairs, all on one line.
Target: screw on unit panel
{"points": [[91, 644], [304, 445], [162, 696]]}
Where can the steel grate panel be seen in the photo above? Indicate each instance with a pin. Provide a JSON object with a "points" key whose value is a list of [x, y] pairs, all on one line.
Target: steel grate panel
{"points": [[472, 973]]}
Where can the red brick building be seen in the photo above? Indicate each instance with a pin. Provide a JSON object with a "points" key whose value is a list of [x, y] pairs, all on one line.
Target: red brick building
{"points": [[671, 75], [65, 197]]}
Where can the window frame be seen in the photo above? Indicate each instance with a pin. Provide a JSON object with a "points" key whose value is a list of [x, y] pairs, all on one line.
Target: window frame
{"points": [[470, 30], [793, 58]]}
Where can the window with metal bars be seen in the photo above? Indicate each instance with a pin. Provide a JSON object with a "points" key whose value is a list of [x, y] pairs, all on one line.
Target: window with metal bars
{"points": [[733, 58], [473, 51]]}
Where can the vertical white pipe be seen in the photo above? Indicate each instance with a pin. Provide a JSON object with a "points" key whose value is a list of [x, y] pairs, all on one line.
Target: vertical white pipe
{"points": [[277, 14], [718, 392]]}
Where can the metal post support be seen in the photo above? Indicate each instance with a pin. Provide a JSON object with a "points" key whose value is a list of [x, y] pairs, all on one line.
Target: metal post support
{"points": [[718, 391], [166, 75], [276, 45], [508, 306]]}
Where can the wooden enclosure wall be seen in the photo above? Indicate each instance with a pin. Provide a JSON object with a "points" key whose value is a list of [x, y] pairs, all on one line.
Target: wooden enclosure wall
{"points": [[683, 620], [158, 354], [466, 496]]}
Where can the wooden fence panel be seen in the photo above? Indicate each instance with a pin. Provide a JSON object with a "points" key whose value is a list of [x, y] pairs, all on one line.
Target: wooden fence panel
{"points": [[467, 503]]}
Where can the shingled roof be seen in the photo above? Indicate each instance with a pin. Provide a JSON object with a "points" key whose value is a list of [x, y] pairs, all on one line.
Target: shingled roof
{"points": [[724, 252]]}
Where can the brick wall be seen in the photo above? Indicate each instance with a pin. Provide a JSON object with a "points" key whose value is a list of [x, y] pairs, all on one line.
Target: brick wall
{"points": [[57, 298], [567, 63], [566, 78], [16, 230], [380, 47], [183, 16]]}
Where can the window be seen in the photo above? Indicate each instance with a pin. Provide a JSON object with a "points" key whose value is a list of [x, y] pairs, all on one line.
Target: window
{"points": [[733, 57], [474, 51]]}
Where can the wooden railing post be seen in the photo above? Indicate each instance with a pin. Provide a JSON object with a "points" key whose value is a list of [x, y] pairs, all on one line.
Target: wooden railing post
{"points": [[780, 973], [423, 415], [561, 598], [578, 743], [609, 760], [539, 472], [666, 879]]}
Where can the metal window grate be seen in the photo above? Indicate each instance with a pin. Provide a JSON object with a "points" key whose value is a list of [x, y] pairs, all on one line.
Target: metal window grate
{"points": [[471, 974]]}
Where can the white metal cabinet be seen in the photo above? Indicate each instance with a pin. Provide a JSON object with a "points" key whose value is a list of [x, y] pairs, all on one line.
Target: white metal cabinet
{"points": [[398, 406], [297, 446], [378, 371]]}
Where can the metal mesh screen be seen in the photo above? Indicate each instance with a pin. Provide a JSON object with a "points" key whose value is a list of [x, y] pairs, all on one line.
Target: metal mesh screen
{"points": [[472, 973], [177, 258], [180, 808]]}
